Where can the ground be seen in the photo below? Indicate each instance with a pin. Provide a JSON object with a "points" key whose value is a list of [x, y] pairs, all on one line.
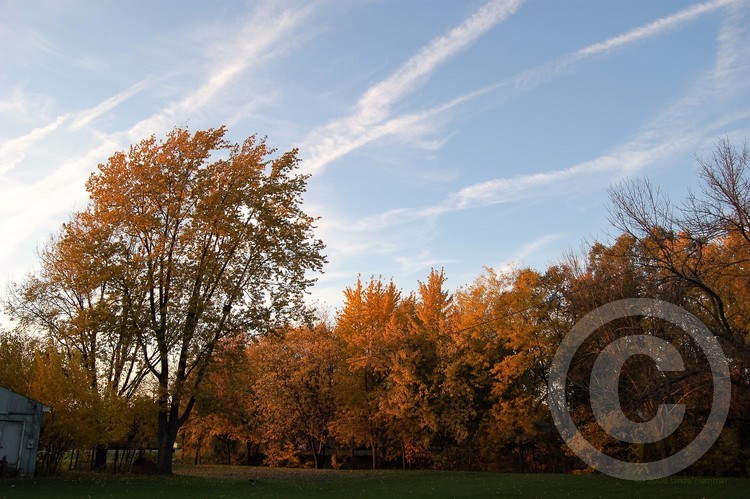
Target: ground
{"points": [[240, 481]]}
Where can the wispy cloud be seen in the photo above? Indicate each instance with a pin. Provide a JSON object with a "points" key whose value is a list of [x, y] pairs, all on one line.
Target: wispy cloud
{"points": [[268, 31], [531, 78], [25, 106], [375, 104], [706, 98], [631, 157], [659, 26], [731, 55], [13, 151], [83, 118], [524, 252], [624, 160], [542, 185], [420, 262], [370, 119], [36, 207], [679, 127]]}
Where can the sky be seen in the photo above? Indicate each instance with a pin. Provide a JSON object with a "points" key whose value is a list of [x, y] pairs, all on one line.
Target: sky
{"points": [[438, 134]]}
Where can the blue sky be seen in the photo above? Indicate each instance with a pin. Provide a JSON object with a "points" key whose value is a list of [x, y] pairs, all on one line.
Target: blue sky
{"points": [[455, 134]]}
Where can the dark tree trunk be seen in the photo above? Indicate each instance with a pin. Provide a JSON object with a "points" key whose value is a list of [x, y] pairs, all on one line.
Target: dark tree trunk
{"points": [[170, 421], [165, 453], [167, 435], [311, 443], [100, 458]]}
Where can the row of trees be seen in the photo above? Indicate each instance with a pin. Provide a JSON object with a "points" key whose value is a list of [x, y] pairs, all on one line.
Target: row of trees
{"points": [[434, 379], [398, 376], [170, 311], [455, 381]]}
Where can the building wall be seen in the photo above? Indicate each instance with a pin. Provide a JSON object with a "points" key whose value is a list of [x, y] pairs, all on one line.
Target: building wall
{"points": [[20, 425]]}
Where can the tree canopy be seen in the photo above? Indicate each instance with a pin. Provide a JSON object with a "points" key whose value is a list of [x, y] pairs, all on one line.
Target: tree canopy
{"points": [[186, 240]]}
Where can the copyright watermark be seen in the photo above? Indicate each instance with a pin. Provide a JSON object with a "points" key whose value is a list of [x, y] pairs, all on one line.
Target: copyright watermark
{"points": [[605, 403]]}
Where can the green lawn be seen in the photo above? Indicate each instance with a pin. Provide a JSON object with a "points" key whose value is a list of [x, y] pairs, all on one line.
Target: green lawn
{"points": [[234, 481]]}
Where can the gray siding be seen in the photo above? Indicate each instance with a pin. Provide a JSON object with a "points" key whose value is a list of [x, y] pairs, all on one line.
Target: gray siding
{"points": [[20, 425]]}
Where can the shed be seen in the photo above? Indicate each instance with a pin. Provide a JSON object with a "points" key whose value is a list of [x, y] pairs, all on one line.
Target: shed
{"points": [[20, 424]]}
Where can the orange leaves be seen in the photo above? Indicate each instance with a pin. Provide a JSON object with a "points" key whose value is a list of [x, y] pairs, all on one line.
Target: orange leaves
{"points": [[186, 240], [293, 383], [366, 323]]}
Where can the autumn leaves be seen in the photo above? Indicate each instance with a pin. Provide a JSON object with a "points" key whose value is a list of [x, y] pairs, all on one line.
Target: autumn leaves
{"points": [[170, 310]]}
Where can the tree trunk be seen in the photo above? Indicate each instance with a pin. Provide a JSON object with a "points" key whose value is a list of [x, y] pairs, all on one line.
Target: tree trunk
{"points": [[311, 443], [167, 435], [100, 458], [165, 453], [170, 422]]}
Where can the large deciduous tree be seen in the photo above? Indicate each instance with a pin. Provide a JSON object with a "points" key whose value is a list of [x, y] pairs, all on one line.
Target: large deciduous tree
{"points": [[185, 241]]}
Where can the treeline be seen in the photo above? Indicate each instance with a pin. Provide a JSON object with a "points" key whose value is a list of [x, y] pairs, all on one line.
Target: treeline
{"points": [[438, 378], [434, 379], [458, 381]]}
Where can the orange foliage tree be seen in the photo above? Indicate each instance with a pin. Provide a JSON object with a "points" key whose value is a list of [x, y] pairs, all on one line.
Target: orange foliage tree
{"points": [[294, 384], [185, 241], [368, 327]]}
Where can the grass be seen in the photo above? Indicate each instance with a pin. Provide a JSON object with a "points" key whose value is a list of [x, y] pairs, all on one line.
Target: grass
{"points": [[236, 481]]}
